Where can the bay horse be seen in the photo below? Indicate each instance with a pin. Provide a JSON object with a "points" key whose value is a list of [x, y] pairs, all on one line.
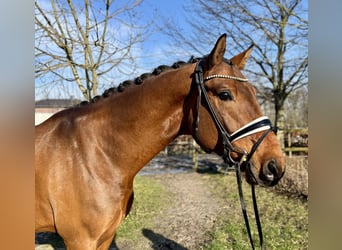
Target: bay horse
{"points": [[87, 156]]}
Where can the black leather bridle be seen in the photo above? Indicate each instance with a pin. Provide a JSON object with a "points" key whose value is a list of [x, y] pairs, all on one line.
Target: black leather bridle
{"points": [[257, 125]]}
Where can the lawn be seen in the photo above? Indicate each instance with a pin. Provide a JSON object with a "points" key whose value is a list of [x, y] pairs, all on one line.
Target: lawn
{"points": [[284, 219]]}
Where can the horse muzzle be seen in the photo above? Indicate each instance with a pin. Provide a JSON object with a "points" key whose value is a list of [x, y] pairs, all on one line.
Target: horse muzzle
{"points": [[268, 175]]}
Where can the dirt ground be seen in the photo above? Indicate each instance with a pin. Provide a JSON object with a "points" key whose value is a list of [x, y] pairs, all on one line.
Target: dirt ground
{"points": [[184, 224]]}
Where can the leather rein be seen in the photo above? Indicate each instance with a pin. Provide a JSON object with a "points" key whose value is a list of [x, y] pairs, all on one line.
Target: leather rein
{"points": [[258, 125]]}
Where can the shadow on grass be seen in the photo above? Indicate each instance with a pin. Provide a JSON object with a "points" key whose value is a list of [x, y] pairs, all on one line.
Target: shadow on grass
{"points": [[56, 242], [160, 242]]}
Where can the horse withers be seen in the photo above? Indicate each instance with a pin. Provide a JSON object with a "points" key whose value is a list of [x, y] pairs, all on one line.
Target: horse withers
{"points": [[87, 156]]}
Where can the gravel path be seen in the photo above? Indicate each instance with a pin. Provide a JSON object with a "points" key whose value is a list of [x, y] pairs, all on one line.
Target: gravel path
{"points": [[191, 215]]}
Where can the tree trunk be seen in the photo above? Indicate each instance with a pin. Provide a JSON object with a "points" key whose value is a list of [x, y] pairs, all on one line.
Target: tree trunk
{"points": [[280, 124]]}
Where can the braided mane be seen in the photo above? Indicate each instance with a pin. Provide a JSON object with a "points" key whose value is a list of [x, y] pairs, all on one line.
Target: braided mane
{"points": [[139, 80]]}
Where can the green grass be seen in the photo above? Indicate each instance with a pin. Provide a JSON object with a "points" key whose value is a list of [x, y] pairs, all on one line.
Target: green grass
{"points": [[150, 197], [284, 220]]}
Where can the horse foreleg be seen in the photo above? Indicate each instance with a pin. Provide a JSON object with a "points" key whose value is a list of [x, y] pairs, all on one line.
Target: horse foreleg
{"points": [[94, 225], [80, 244], [84, 243], [129, 203]]}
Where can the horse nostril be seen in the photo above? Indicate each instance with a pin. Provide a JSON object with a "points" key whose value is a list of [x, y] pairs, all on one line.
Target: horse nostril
{"points": [[272, 170]]}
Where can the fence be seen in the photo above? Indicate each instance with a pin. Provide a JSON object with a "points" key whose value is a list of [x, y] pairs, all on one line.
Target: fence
{"points": [[184, 145], [296, 141]]}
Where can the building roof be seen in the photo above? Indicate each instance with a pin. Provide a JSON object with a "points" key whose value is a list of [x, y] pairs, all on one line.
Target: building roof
{"points": [[56, 103]]}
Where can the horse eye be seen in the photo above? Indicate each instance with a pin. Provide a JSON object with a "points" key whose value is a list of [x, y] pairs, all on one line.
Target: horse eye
{"points": [[225, 96]]}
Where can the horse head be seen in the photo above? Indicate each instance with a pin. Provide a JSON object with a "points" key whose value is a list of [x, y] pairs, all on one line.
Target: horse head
{"points": [[234, 104]]}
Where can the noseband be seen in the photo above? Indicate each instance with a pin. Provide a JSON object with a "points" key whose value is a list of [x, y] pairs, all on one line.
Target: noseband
{"points": [[258, 125]]}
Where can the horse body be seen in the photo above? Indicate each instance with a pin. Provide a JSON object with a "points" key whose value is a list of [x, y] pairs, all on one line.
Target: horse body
{"points": [[87, 157], [114, 154]]}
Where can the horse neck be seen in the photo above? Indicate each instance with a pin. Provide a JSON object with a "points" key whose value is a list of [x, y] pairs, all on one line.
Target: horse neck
{"points": [[144, 119]]}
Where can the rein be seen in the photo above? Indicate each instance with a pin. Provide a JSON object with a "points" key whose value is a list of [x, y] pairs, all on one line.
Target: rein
{"points": [[258, 125]]}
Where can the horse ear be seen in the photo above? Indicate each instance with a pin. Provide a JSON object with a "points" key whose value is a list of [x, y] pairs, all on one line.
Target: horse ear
{"points": [[216, 55], [241, 59]]}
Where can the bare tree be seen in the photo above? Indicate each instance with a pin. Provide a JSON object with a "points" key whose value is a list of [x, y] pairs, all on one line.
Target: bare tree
{"points": [[79, 43], [296, 109], [278, 29]]}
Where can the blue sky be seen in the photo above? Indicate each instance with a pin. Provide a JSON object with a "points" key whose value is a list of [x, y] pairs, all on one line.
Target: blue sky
{"points": [[158, 46], [155, 50]]}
